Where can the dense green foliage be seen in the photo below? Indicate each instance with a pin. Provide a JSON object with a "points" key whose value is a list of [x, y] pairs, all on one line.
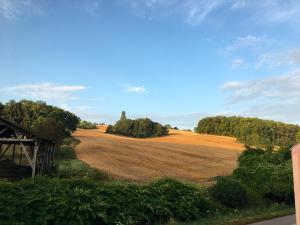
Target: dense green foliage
{"points": [[298, 136], [186, 201], [251, 131], [87, 125], [44, 120], [262, 177], [140, 128], [80, 201], [267, 173], [230, 192]]}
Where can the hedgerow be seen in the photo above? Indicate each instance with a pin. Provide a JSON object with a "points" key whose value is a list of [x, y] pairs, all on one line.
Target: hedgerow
{"points": [[81, 201]]}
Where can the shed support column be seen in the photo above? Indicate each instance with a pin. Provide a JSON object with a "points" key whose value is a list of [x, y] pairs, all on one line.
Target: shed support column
{"points": [[35, 151]]}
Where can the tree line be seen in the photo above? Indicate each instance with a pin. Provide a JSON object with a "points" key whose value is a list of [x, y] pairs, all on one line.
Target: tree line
{"points": [[251, 131], [87, 125], [140, 128], [44, 120]]}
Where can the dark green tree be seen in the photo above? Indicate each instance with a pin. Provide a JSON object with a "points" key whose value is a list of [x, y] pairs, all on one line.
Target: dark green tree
{"points": [[123, 116], [51, 129], [1, 108], [140, 128]]}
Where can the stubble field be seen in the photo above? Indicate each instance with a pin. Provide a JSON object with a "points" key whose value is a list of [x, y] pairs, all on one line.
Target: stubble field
{"points": [[182, 155]]}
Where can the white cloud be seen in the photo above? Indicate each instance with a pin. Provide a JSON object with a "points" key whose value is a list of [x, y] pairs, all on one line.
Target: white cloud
{"points": [[239, 64], [12, 9], [197, 11], [194, 12], [137, 90], [276, 97], [270, 11], [248, 41], [43, 91], [239, 4], [276, 59], [92, 6]]}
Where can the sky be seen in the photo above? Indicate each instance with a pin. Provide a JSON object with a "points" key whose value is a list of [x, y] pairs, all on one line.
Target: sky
{"points": [[174, 61]]}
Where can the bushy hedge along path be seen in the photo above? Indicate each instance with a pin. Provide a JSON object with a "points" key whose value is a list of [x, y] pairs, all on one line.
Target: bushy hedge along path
{"points": [[79, 201]]}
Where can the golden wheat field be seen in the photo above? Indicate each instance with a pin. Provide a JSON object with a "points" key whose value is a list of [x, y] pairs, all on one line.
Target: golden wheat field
{"points": [[182, 155]]}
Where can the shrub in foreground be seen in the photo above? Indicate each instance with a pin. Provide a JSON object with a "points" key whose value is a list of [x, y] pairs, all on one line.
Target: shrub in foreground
{"points": [[230, 192], [268, 173], [82, 201], [187, 202]]}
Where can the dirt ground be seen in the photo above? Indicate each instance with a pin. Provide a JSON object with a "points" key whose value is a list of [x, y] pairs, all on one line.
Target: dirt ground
{"points": [[182, 155]]}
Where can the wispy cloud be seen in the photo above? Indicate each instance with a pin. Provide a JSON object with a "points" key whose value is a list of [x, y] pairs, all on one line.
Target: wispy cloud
{"points": [[195, 12], [239, 64], [276, 97], [93, 6], [198, 11], [13, 9], [248, 41], [137, 90], [192, 12], [271, 60], [270, 11], [43, 91]]}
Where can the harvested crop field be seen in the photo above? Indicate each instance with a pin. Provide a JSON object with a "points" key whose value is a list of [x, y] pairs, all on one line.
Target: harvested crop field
{"points": [[182, 155]]}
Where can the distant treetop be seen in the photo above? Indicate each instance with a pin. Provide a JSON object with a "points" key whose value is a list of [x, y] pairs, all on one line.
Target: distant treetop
{"points": [[140, 128]]}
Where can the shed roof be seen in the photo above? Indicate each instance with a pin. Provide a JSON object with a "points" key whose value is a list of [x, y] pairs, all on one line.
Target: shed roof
{"points": [[8, 129]]}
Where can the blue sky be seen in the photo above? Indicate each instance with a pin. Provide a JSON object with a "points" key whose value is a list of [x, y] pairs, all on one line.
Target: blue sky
{"points": [[173, 61]]}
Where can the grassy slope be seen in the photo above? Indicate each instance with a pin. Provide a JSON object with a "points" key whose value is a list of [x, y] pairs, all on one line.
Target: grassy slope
{"points": [[67, 164]]}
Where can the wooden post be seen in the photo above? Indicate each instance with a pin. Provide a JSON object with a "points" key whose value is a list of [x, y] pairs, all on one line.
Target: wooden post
{"points": [[35, 151], [21, 153], [13, 155], [296, 174]]}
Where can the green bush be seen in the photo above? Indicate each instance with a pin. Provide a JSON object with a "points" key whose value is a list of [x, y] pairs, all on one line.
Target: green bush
{"points": [[139, 128], [132, 204], [267, 173], [187, 202], [84, 201], [230, 192], [50, 202]]}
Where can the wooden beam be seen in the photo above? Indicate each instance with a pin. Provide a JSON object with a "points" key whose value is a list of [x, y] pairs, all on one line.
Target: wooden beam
{"points": [[2, 131], [1, 156], [13, 140]]}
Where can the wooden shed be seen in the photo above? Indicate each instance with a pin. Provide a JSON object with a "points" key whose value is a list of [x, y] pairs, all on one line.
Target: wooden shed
{"points": [[23, 154]]}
